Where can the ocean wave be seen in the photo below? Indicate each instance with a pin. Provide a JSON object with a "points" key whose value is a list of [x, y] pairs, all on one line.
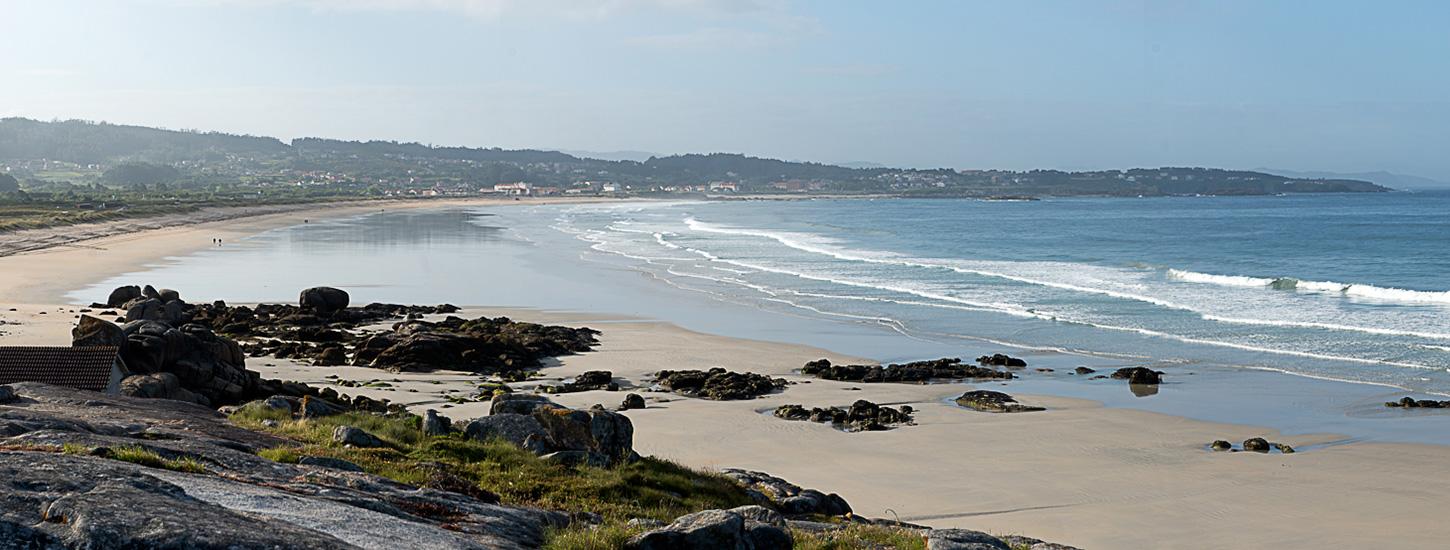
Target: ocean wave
{"points": [[828, 247], [1369, 292]]}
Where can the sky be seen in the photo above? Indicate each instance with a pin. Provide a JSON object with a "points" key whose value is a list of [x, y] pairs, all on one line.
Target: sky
{"points": [[1325, 85]]}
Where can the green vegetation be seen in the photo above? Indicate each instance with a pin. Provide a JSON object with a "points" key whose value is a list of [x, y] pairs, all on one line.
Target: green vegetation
{"points": [[859, 536], [649, 488], [150, 459], [610, 536]]}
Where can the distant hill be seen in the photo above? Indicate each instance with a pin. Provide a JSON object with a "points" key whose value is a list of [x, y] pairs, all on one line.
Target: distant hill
{"points": [[636, 156], [112, 154], [1387, 179]]}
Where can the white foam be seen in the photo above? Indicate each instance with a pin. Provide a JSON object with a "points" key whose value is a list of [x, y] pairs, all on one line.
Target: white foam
{"points": [[1225, 280]]}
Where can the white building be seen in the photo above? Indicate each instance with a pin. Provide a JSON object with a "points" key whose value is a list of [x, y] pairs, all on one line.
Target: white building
{"points": [[520, 188]]}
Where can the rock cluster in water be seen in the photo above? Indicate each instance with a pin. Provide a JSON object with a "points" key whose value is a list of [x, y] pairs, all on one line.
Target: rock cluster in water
{"points": [[1138, 375], [860, 416], [914, 372], [1000, 360], [993, 401], [1253, 444], [1412, 403], [718, 383]]}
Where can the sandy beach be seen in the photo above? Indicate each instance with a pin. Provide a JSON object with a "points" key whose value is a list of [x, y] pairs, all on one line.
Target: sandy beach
{"points": [[1078, 473]]}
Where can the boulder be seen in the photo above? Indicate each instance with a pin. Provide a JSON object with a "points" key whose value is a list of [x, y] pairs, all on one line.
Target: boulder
{"points": [[121, 295], [714, 529], [434, 424], [94, 331], [168, 295], [1084, 370], [331, 356], [517, 403], [1256, 444], [788, 497], [511, 427], [324, 300], [1138, 375], [7, 394], [1221, 445], [632, 401], [356, 437], [963, 539], [280, 403]]}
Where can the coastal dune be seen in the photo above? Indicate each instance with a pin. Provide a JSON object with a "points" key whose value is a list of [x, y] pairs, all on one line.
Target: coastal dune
{"points": [[1079, 473]]}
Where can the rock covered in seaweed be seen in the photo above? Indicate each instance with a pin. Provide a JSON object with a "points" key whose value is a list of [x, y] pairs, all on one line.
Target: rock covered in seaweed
{"points": [[1138, 375], [993, 401], [914, 372], [860, 416], [718, 383]]}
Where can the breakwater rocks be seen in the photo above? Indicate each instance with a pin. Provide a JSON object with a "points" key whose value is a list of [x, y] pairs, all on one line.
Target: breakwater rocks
{"points": [[718, 383], [993, 401], [914, 372], [861, 416], [86, 470]]}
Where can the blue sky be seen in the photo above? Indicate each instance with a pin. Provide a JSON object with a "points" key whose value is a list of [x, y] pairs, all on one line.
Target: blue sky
{"points": [[1327, 85]]}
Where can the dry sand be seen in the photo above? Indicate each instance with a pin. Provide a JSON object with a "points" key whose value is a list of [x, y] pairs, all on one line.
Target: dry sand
{"points": [[1078, 473]]}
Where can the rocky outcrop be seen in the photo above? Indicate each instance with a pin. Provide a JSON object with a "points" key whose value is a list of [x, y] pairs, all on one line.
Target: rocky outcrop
{"points": [[860, 416], [587, 381], [789, 498], [1000, 360], [1412, 403], [236, 499], [915, 372], [324, 300], [744, 528], [718, 383], [188, 363], [1138, 375], [492, 346], [594, 436], [993, 401], [963, 539]]}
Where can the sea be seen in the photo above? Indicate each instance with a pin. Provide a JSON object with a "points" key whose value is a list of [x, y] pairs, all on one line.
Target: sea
{"points": [[1336, 287]]}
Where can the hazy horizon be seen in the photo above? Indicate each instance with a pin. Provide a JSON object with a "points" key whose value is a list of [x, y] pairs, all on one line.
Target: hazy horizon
{"points": [[1071, 86]]}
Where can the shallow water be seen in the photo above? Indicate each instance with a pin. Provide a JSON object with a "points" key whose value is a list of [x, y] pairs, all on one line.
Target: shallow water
{"points": [[1341, 287]]}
